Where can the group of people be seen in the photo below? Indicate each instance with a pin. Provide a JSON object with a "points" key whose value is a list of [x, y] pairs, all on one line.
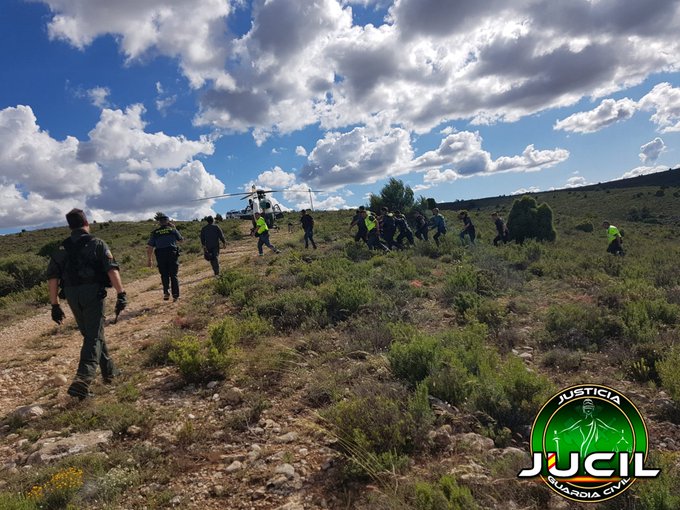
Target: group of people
{"points": [[83, 267], [378, 230]]}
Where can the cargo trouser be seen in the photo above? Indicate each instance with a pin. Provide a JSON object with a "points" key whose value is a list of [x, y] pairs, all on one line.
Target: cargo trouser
{"points": [[215, 259], [168, 267], [87, 304]]}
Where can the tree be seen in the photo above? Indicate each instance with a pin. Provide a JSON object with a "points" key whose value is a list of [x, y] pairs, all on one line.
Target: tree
{"points": [[528, 220], [395, 196], [218, 217]]}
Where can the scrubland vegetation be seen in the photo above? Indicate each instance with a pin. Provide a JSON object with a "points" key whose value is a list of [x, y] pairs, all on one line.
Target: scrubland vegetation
{"points": [[384, 351]]}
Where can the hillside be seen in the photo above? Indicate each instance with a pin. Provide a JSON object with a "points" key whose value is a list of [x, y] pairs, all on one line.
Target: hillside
{"points": [[341, 378]]}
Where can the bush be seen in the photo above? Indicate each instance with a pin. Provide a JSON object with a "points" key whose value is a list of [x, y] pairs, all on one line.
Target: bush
{"points": [[27, 271], [289, 310], [445, 494], [378, 428], [198, 361], [347, 297], [528, 220], [669, 373], [510, 394]]}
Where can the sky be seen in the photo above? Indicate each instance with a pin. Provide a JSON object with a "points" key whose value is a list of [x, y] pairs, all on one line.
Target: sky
{"points": [[130, 107]]}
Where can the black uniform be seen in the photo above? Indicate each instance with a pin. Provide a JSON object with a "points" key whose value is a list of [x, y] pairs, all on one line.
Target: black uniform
{"points": [[421, 228], [164, 241], [502, 232], [358, 220], [211, 235], [404, 231], [469, 229], [388, 229], [308, 226], [81, 264]]}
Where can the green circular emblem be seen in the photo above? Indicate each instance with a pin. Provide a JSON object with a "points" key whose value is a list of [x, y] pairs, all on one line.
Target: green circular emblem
{"points": [[591, 442]]}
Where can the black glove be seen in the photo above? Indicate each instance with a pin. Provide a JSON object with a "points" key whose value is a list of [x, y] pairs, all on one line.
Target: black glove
{"points": [[121, 302], [57, 314]]}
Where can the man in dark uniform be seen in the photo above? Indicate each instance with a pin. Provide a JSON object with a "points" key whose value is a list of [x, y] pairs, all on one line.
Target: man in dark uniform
{"points": [[373, 232], [308, 226], [83, 267], [387, 227], [211, 236], [501, 229], [163, 242], [358, 220], [403, 228], [421, 227]]}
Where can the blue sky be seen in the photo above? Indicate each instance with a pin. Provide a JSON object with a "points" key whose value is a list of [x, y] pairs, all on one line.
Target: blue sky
{"points": [[126, 108]]}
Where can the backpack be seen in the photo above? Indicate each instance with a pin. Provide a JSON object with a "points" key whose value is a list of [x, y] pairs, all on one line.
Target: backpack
{"points": [[80, 269]]}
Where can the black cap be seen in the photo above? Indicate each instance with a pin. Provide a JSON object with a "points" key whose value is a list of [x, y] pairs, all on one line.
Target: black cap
{"points": [[76, 219]]}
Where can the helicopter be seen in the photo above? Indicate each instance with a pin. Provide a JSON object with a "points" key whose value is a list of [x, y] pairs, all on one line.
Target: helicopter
{"points": [[259, 202]]}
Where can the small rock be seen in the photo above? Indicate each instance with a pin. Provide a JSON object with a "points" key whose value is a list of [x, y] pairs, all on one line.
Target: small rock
{"points": [[291, 506], [176, 500], [212, 384], [58, 380], [134, 430], [218, 491], [232, 396], [29, 412], [526, 356], [216, 397], [191, 417], [303, 451], [287, 438], [259, 493], [285, 469], [234, 466]]}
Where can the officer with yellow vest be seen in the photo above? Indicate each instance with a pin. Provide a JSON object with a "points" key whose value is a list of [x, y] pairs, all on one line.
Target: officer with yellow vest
{"points": [[262, 234], [614, 241], [373, 232]]}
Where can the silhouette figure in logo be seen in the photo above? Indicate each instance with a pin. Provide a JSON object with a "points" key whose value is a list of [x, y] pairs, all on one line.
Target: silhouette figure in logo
{"points": [[589, 433]]}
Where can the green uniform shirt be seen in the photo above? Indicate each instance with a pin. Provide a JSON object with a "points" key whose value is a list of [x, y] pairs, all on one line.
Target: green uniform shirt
{"points": [[95, 260]]}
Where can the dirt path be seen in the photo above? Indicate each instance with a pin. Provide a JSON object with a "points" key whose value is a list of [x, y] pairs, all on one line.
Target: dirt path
{"points": [[35, 351]]}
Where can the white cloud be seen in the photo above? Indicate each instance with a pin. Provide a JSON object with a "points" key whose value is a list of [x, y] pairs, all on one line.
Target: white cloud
{"points": [[436, 176], [523, 191], [421, 187], [99, 96], [120, 172], [300, 151], [643, 170], [305, 63], [651, 151], [576, 181], [462, 152], [362, 155], [664, 99], [275, 178], [607, 113]]}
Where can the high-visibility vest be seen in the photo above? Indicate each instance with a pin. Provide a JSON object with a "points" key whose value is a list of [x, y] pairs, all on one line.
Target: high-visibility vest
{"points": [[370, 222], [261, 225], [612, 233]]}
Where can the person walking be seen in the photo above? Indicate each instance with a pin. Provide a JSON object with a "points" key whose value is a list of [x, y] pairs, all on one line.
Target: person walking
{"points": [[501, 229], [211, 237], [468, 228], [438, 223], [388, 227], [308, 227], [403, 228], [359, 222], [163, 242], [614, 239], [421, 227], [373, 232], [262, 234], [83, 267]]}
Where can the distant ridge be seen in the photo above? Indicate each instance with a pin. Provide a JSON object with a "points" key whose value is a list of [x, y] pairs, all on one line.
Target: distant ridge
{"points": [[670, 177]]}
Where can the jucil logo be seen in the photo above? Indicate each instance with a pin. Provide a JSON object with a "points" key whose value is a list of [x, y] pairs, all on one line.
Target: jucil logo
{"points": [[589, 443]]}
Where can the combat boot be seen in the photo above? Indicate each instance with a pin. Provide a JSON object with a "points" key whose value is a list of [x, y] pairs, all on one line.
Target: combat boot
{"points": [[80, 389]]}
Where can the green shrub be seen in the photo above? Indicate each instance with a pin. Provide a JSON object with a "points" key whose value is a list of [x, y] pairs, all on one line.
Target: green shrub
{"points": [[414, 360], [510, 394], [288, 310], [376, 429], [663, 492], [8, 283], [669, 373], [347, 297], [445, 494], [17, 502], [356, 252], [198, 361], [528, 220], [26, 270], [466, 302]]}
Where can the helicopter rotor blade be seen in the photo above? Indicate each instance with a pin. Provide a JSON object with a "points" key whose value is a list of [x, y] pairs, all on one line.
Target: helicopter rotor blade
{"points": [[222, 196]]}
